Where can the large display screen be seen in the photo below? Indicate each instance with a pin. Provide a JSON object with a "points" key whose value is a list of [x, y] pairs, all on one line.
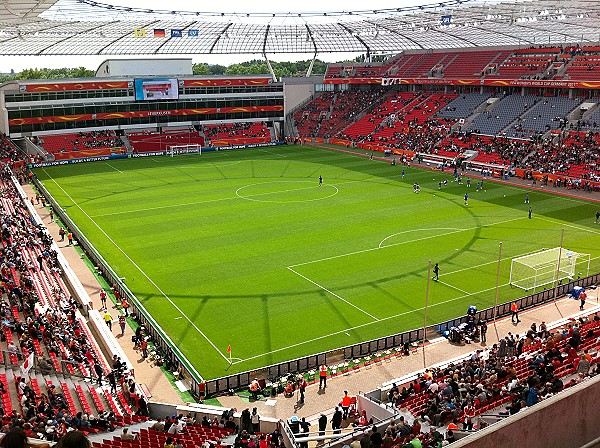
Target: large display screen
{"points": [[156, 89]]}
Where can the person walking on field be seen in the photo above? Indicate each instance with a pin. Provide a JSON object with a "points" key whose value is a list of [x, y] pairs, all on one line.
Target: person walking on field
{"points": [[514, 308], [436, 272], [320, 181]]}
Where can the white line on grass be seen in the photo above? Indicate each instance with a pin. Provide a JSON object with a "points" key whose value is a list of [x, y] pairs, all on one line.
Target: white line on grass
{"points": [[139, 269], [363, 325], [453, 287], [271, 152], [250, 196], [569, 225], [185, 204], [147, 209], [114, 168], [403, 242], [415, 230], [333, 294]]}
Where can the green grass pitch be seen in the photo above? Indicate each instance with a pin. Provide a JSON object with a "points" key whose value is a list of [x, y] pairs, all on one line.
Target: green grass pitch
{"points": [[244, 248]]}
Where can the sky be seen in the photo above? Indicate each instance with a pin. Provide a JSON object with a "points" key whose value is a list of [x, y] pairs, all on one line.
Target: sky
{"points": [[18, 63]]}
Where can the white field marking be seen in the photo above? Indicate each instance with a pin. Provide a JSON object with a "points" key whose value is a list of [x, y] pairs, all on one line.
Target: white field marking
{"points": [[249, 197], [415, 230], [147, 209], [185, 204], [402, 242], [345, 330], [139, 269], [271, 152], [569, 225], [334, 294], [114, 168], [452, 286]]}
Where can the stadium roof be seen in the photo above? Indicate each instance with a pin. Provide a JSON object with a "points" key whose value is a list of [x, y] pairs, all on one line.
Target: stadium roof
{"points": [[86, 27]]}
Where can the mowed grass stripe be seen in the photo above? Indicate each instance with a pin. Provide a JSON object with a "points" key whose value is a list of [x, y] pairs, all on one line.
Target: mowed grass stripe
{"points": [[224, 261]]}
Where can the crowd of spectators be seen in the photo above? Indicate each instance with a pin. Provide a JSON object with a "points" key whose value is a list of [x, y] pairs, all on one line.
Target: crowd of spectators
{"points": [[80, 141], [514, 374], [8, 150], [236, 130], [48, 328]]}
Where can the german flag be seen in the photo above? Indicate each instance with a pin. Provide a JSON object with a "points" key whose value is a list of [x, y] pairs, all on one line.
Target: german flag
{"points": [[159, 32]]}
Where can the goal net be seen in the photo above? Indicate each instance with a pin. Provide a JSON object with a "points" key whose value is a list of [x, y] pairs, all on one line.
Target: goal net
{"points": [[177, 150], [547, 266]]}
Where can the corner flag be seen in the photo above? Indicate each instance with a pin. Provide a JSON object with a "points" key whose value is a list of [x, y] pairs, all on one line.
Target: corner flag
{"points": [[229, 349]]}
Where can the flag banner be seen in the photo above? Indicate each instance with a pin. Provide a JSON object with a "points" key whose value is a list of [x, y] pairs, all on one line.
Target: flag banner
{"points": [[193, 33], [446, 20], [159, 32], [139, 32], [27, 365], [176, 33]]}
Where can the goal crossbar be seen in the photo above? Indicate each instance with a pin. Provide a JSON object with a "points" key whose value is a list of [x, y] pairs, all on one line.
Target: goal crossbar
{"points": [[547, 266], [176, 150]]}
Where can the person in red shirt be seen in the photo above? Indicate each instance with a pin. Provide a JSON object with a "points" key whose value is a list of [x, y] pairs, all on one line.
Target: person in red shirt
{"points": [[345, 403], [322, 376], [514, 308]]}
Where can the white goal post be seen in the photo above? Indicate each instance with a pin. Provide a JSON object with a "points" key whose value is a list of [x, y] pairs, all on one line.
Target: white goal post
{"points": [[177, 150], [547, 266]]}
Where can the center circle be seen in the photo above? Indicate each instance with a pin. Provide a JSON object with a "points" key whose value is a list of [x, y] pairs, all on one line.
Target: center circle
{"points": [[286, 191]]}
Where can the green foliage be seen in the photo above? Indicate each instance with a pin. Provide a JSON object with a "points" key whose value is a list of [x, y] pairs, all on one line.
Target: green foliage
{"points": [[253, 67], [204, 69], [49, 73], [205, 243]]}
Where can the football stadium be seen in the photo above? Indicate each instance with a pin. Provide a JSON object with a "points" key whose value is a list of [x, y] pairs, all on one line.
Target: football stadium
{"points": [[400, 250]]}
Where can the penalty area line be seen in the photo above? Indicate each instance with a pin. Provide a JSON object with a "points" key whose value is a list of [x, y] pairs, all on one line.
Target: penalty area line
{"points": [[356, 327], [112, 168], [334, 294], [140, 269]]}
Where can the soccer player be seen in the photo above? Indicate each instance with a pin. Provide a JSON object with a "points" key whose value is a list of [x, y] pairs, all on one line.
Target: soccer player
{"points": [[405, 173], [436, 272], [529, 213], [468, 183], [439, 185], [466, 198], [526, 198], [597, 216], [320, 181]]}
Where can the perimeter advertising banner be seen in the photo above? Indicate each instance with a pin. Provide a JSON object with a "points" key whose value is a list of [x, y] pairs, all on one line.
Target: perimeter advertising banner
{"points": [[142, 114], [551, 83]]}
